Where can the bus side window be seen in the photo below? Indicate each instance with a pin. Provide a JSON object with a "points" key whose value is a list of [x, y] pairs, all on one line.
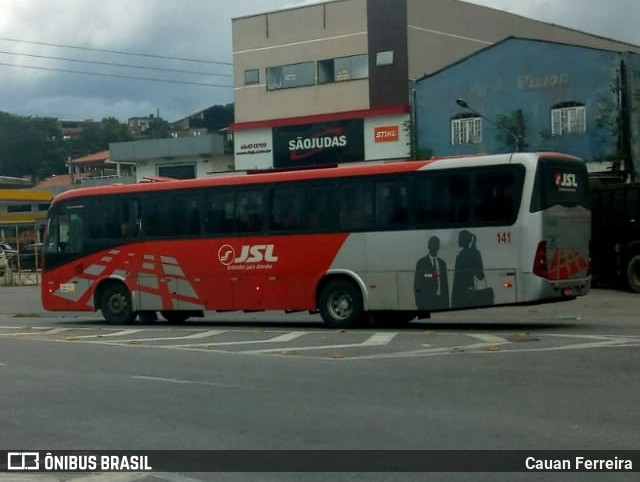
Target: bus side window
{"points": [[458, 198], [129, 215], [155, 216], [495, 201], [319, 207], [392, 205], [356, 206], [426, 202], [286, 208], [249, 211], [219, 214], [186, 214]]}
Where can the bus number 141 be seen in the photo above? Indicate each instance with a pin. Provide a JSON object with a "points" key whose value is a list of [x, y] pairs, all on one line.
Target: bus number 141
{"points": [[504, 237]]}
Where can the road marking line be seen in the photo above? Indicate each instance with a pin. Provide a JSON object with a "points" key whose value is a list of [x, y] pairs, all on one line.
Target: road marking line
{"points": [[491, 341], [592, 337], [276, 339], [103, 335], [44, 331], [488, 338], [377, 339], [178, 381], [580, 346], [203, 334]]}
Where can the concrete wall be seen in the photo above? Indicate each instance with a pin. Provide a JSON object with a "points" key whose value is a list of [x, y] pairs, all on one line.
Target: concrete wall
{"points": [[311, 33], [204, 152], [204, 167], [133, 151]]}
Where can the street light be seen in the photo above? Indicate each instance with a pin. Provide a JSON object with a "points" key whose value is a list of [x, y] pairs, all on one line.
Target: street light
{"points": [[516, 138]]}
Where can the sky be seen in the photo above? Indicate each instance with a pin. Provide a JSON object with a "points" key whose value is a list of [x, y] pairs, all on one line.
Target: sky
{"points": [[58, 59]]}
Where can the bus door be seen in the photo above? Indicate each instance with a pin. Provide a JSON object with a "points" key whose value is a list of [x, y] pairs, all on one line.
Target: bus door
{"points": [[66, 244]]}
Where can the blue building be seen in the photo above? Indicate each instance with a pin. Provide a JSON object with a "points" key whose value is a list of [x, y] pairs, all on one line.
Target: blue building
{"points": [[533, 95]]}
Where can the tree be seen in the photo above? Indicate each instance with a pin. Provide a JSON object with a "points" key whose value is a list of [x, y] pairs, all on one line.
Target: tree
{"points": [[512, 130], [30, 146], [158, 128], [96, 136], [214, 118]]}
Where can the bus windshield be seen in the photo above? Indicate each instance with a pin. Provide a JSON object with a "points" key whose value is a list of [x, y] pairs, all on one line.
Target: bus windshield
{"points": [[559, 182]]}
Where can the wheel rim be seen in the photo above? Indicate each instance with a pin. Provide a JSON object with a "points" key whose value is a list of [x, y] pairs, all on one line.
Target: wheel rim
{"points": [[117, 304], [340, 305]]}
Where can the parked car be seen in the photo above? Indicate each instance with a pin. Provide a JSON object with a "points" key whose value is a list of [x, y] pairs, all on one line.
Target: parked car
{"points": [[25, 259], [6, 252]]}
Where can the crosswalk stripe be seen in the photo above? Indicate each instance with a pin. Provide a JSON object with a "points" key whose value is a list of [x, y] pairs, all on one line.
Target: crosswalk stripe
{"points": [[198, 335], [276, 339], [377, 339], [103, 335]]}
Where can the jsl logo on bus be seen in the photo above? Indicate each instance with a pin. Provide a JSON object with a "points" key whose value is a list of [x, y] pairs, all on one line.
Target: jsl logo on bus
{"points": [[249, 253], [566, 180]]}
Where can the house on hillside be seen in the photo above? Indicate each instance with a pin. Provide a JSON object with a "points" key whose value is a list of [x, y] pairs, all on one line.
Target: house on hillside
{"points": [[98, 166], [180, 158]]}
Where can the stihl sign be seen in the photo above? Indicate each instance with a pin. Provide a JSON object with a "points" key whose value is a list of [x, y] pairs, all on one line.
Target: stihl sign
{"points": [[386, 133]]}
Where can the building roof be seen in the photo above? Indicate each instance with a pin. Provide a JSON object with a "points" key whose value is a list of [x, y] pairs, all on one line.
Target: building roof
{"points": [[55, 181], [95, 158], [513, 38]]}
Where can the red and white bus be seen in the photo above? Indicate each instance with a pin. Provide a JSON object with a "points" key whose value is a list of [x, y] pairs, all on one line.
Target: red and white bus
{"points": [[389, 240]]}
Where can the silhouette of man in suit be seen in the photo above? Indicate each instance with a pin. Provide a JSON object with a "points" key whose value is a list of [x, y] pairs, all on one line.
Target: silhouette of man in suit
{"points": [[430, 284]]}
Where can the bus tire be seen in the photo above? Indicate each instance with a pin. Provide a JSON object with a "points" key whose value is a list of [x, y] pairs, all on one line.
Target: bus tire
{"points": [[175, 317], [116, 306], [633, 273], [340, 304]]}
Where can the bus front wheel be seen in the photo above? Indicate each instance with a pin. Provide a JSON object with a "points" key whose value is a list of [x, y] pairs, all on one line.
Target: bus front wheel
{"points": [[115, 304], [340, 304], [633, 273]]}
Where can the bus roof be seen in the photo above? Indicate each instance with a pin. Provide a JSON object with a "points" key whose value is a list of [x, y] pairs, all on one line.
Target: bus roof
{"points": [[319, 172]]}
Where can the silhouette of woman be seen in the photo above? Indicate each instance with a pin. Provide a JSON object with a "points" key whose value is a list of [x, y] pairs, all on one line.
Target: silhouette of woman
{"points": [[468, 267]]}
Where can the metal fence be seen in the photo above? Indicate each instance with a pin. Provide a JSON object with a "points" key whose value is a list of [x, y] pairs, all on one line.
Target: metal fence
{"points": [[22, 267]]}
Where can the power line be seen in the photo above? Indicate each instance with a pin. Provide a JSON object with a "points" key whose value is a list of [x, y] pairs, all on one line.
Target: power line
{"points": [[113, 64], [154, 56], [117, 76]]}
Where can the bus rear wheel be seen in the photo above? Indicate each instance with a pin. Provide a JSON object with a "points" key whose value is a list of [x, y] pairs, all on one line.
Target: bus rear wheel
{"points": [[175, 317], [340, 304], [115, 304], [633, 273]]}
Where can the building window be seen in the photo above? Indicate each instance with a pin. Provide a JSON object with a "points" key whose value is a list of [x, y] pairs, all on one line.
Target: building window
{"points": [[343, 68], [466, 129], [178, 171], [251, 76], [19, 208], [384, 58], [568, 118], [292, 75]]}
